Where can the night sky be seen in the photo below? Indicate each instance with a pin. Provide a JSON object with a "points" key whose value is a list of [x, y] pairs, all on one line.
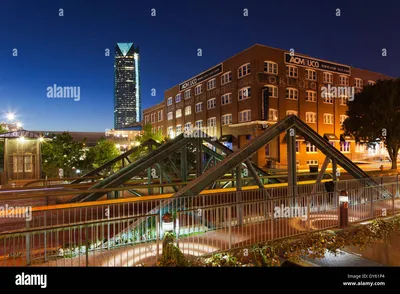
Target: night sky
{"points": [[70, 50]]}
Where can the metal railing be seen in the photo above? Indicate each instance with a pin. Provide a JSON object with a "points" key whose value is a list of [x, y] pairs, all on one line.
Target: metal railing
{"points": [[125, 234]]}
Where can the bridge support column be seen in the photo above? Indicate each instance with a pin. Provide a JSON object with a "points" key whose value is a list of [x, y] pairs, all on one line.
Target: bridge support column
{"points": [[199, 157], [184, 170], [239, 207], [291, 158]]}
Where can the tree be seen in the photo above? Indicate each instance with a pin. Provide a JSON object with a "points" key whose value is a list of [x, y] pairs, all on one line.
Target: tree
{"points": [[149, 134], [63, 152], [103, 152], [374, 115]]}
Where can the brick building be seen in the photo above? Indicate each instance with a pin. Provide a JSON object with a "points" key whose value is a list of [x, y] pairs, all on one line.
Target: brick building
{"points": [[238, 98]]}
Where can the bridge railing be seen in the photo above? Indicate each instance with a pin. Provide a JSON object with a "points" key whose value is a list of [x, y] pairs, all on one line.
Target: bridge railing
{"points": [[129, 233]]}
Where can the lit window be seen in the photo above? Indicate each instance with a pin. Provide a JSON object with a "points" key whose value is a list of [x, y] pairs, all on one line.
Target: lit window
{"points": [[226, 99], [160, 114], [188, 110], [291, 112], [328, 119], [178, 98], [178, 129], [343, 100], [199, 124], [226, 119], [371, 83], [343, 80], [226, 78], [310, 148], [211, 84], [244, 70], [273, 114], [292, 94], [211, 103], [273, 91], [170, 130], [170, 115], [188, 94], [343, 118], [358, 83], [212, 122], [328, 77], [178, 113], [327, 98], [311, 96], [311, 117], [312, 162], [292, 71], [197, 90], [188, 126], [169, 101], [245, 115], [311, 75], [271, 67], [199, 107], [297, 146], [345, 147], [244, 93]]}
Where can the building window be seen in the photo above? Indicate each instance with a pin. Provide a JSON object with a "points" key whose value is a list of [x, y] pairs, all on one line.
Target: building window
{"points": [[188, 110], [311, 117], [343, 100], [159, 114], [371, 83], [292, 93], [199, 107], [178, 98], [292, 71], [199, 124], [244, 93], [188, 94], [358, 83], [245, 115], [169, 101], [310, 148], [311, 75], [198, 90], [226, 119], [311, 96], [170, 116], [273, 91], [360, 147], [328, 98], [312, 162], [178, 113], [328, 119], [226, 99], [188, 126], [160, 129], [345, 147], [270, 67], [297, 146], [342, 118], [170, 131], [211, 103], [211, 84], [273, 114], [244, 70], [146, 119], [290, 112], [212, 122], [226, 78], [267, 150], [153, 117], [328, 77], [343, 80], [178, 129]]}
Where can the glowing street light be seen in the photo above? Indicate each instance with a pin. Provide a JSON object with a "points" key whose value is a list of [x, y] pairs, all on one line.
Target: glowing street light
{"points": [[10, 116]]}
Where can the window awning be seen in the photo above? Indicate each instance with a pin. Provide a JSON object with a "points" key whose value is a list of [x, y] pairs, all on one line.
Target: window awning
{"points": [[347, 138], [225, 138], [331, 137], [298, 138]]}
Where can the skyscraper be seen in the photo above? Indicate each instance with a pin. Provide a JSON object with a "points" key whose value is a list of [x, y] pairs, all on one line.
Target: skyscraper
{"points": [[127, 102]]}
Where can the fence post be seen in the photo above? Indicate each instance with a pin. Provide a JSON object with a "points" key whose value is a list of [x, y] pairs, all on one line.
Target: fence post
{"points": [[308, 213], [230, 226], [28, 244], [45, 238], [158, 236], [87, 244]]}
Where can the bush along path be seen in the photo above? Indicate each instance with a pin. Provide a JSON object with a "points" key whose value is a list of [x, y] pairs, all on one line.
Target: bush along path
{"points": [[313, 245]]}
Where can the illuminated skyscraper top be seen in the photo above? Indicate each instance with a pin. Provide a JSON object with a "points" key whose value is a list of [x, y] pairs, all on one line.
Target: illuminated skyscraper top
{"points": [[127, 102]]}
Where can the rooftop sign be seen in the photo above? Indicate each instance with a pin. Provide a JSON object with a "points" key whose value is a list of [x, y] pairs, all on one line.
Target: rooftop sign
{"points": [[317, 64], [201, 77]]}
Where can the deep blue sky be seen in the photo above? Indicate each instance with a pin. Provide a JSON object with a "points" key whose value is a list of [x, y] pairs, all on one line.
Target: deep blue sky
{"points": [[69, 50]]}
